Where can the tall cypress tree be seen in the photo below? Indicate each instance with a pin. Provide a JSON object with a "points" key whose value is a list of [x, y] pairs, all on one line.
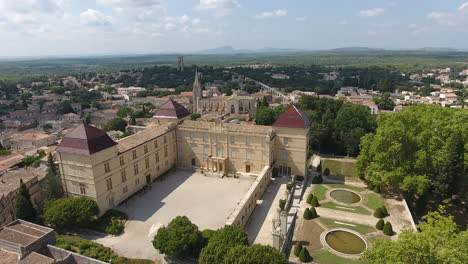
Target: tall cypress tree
{"points": [[24, 208], [450, 177], [51, 185]]}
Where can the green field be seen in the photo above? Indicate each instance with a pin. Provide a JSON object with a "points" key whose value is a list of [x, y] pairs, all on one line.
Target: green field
{"points": [[361, 229], [355, 209], [343, 167], [320, 191], [325, 257]]}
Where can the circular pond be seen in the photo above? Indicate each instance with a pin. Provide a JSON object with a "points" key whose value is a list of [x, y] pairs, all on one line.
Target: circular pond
{"points": [[345, 242], [345, 196]]}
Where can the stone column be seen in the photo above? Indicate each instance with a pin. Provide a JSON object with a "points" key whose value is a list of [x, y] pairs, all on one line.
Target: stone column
{"points": [[276, 239], [284, 223]]}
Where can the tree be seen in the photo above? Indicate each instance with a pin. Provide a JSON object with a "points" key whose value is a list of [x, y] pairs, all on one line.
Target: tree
{"points": [[221, 242], [450, 177], [256, 254], [384, 102], [309, 198], [65, 107], [115, 124], [304, 256], [384, 211], [313, 211], [297, 248], [307, 214], [180, 239], [387, 229], [315, 202], [52, 185], [410, 147], [195, 116], [378, 213], [124, 111], [439, 242], [380, 224], [24, 208], [70, 212]]}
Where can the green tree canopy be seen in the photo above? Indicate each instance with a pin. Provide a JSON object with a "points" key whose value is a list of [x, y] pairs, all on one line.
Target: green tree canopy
{"points": [[221, 242], [24, 208], [256, 254], [411, 150], [439, 242], [115, 124], [180, 239], [52, 185], [70, 212]]}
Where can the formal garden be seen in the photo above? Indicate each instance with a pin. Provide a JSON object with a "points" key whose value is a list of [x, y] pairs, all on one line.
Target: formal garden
{"points": [[341, 217]]}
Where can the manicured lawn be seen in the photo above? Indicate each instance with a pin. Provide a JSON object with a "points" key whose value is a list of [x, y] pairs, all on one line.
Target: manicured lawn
{"points": [[325, 257], [356, 209], [344, 168], [320, 191], [362, 229], [344, 186], [374, 200]]}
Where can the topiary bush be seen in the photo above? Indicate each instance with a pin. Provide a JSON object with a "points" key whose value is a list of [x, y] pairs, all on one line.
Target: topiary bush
{"points": [[315, 202], [289, 186], [320, 178], [304, 256], [380, 224], [384, 211], [313, 212], [282, 204], [297, 249], [376, 189], [309, 198], [388, 229], [307, 214], [326, 172], [378, 213]]}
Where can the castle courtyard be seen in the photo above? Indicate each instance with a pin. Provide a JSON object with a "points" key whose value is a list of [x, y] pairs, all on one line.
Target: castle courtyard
{"points": [[206, 201]]}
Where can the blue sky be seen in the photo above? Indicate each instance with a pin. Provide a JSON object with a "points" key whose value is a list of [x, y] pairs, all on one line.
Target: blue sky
{"points": [[74, 27]]}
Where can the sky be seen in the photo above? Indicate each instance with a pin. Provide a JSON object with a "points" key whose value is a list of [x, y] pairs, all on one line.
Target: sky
{"points": [[108, 27]]}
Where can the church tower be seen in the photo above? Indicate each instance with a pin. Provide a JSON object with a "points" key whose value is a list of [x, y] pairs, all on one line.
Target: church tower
{"points": [[197, 92]]}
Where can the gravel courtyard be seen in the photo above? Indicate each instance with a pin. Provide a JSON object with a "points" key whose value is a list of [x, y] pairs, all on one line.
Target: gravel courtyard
{"points": [[206, 201]]}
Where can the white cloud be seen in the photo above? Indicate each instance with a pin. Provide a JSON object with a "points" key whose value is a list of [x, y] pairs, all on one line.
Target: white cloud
{"points": [[275, 13], [303, 18], [93, 17], [195, 21], [372, 12], [129, 3], [218, 4], [444, 18], [31, 6], [463, 7]]}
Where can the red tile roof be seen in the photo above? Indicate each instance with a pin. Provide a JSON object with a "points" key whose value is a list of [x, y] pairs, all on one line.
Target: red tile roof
{"points": [[172, 109], [85, 139], [186, 94], [292, 117]]}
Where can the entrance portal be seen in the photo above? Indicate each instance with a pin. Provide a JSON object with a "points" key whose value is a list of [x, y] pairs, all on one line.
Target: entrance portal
{"points": [[247, 168], [148, 179]]}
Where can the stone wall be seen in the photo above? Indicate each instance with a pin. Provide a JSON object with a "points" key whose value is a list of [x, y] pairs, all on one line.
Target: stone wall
{"points": [[241, 214]]}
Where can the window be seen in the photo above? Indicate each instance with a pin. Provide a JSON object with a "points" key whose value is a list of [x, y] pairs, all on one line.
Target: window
{"points": [[106, 167], [263, 143], [137, 181], [181, 134], [264, 156], [122, 160], [157, 168], [165, 152], [156, 144], [82, 189], [248, 155], [109, 184], [165, 139], [218, 152], [233, 153], [233, 139], [285, 156], [205, 150], [123, 175], [135, 169], [247, 140], [145, 148], [192, 146], [218, 138], [191, 134], [147, 163], [174, 148], [285, 141], [134, 154], [205, 137], [157, 156], [125, 189], [233, 164]]}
